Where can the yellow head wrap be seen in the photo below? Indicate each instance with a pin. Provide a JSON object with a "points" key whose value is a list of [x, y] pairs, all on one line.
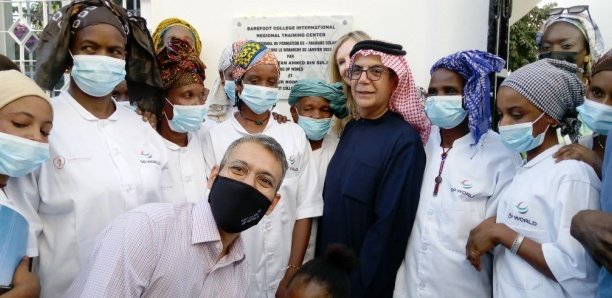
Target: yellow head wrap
{"points": [[158, 35]]}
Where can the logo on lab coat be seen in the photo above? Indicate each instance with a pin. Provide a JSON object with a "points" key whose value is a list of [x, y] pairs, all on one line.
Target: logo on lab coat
{"points": [[145, 154], [147, 158], [59, 162], [522, 208], [292, 166], [467, 184]]}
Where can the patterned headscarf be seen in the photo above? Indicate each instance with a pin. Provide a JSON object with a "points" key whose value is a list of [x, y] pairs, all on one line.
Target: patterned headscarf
{"points": [[251, 54], [582, 21], [604, 63], [143, 78], [180, 65], [95, 15], [474, 66], [404, 100], [332, 92], [553, 87], [158, 35]]}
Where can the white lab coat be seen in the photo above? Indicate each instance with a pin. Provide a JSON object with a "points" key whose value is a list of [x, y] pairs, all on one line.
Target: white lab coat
{"points": [[321, 156], [472, 179], [268, 244], [99, 168], [185, 177], [539, 204]]}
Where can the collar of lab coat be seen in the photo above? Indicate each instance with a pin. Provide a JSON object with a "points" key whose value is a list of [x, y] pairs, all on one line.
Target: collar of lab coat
{"points": [[85, 113], [542, 156], [465, 140], [174, 147]]}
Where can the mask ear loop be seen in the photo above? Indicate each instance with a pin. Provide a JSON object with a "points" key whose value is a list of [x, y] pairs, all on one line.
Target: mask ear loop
{"points": [[537, 119], [164, 110], [534, 122]]}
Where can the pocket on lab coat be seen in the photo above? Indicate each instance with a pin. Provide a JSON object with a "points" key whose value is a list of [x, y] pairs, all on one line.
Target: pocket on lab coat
{"points": [[459, 215], [456, 226]]}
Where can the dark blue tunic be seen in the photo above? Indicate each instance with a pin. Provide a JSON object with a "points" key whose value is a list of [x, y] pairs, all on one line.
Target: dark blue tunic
{"points": [[371, 196], [605, 276]]}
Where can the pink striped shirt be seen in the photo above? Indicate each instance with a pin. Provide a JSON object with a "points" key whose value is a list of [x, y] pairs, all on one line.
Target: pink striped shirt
{"points": [[163, 250]]}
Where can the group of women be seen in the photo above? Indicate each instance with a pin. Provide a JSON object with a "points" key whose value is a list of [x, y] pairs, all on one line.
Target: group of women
{"points": [[494, 208]]}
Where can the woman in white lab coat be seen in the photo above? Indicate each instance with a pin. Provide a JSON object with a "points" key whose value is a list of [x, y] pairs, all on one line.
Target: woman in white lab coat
{"points": [[313, 103], [535, 255], [25, 123], [104, 160], [466, 171], [182, 123], [275, 247]]}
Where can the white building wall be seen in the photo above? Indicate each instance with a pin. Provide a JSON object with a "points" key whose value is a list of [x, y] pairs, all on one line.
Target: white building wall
{"points": [[428, 29]]}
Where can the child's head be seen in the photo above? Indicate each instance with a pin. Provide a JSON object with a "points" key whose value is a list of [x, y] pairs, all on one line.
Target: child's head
{"points": [[326, 276]]}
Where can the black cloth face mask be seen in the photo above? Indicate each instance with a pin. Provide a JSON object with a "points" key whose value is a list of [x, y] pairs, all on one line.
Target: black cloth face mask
{"points": [[563, 56], [236, 206]]}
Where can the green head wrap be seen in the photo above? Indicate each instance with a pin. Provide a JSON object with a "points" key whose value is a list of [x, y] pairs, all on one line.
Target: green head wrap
{"points": [[332, 92]]}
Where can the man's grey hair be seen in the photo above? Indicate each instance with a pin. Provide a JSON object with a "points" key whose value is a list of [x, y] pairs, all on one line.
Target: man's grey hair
{"points": [[267, 142]]}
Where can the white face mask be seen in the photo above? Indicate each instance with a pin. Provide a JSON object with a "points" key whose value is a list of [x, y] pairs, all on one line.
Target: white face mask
{"points": [[519, 137], [186, 118], [19, 156], [126, 104], [97, 75], [445, 111], [259, 99]]}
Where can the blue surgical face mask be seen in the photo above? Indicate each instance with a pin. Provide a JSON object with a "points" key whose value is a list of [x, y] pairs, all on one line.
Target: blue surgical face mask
{"points": [[19, 156], [315, 129], [230, 90], [445, 111], [519, 137], [127, 105], [186, 118], [597, 116], [97, 75], [258, 98]]}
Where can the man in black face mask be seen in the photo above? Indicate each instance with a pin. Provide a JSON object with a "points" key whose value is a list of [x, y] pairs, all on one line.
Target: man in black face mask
{"points": [[187, 249]]}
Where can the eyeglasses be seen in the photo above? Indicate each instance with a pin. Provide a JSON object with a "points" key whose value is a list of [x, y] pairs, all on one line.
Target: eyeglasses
{"points": [[572, 10], [372, 73]]}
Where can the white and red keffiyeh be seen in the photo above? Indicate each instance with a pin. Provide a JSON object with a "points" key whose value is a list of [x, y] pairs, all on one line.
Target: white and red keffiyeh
{"points": [[404, 100]]}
